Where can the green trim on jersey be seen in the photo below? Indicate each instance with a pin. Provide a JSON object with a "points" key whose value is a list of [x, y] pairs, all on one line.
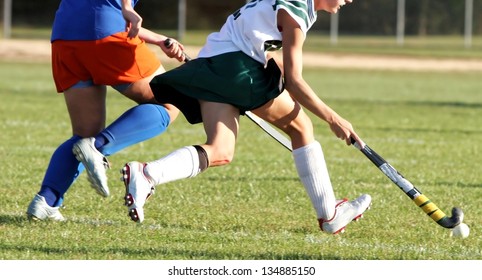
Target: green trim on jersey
{"points": [[303, 9]]}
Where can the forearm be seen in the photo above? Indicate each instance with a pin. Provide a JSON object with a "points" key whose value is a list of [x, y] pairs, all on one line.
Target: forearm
{"points": [[292, 61], [133, 20], [126, 4], [151, 37], [175, 50]]}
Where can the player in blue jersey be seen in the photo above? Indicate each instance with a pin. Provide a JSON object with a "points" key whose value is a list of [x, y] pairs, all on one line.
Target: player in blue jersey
{"points": [[96, 44], [234, 73]]}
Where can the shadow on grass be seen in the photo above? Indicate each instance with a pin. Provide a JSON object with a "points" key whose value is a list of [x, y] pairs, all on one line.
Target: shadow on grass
{"points": [[22, 220], [425, 103], [157, 254], [444, 104], [268, 178], [458, 184], [165, 251], [13, 219]]}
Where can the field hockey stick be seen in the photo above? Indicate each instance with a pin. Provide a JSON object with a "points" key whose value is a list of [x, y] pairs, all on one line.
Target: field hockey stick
{"points": [[271, 131], [168, 44], [407, 187], [257, 120]]}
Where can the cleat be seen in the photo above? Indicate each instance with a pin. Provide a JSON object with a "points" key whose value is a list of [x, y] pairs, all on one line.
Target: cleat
{"points": [[39, 210], [138, 189], [346, 211], [94, 162]]}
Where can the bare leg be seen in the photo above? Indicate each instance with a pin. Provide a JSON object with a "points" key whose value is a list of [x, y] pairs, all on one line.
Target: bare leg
{"points": [[287, 115]]}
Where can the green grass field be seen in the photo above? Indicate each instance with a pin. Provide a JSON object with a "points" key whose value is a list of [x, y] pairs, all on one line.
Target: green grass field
{"points": [[427, 125]]}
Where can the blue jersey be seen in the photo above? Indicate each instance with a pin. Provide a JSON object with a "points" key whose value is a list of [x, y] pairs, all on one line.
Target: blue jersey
{"points": [[88, 19]]}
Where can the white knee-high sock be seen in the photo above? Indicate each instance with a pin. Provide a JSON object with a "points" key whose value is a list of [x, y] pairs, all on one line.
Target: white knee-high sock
{"points": [[312, 170], [180, 164]]}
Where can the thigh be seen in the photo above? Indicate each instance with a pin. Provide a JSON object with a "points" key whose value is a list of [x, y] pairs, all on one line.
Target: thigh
{"points": [[140, 90], [221, 123], [86, 107], [288, 115]]}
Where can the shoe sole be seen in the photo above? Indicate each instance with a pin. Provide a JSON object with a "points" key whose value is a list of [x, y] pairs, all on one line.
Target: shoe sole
{"points": [[97, 186], [38, 211], [33, 218], [356, 219], [128, 198]]}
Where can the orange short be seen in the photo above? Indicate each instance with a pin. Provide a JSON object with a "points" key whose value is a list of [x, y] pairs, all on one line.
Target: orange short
{"points": [[111, 61]]}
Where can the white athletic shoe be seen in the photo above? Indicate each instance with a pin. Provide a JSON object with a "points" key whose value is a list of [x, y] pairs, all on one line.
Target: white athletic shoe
{"points": [[346, 211], [39, 210], [138, 189], [94, 162]]}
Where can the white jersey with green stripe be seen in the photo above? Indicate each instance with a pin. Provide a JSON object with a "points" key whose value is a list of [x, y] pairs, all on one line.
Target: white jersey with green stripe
{"points": [[253, 29]]}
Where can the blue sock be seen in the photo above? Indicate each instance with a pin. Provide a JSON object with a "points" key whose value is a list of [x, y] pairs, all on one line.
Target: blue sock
{"points": [[138, 124], [135, 125], [62, 171]]}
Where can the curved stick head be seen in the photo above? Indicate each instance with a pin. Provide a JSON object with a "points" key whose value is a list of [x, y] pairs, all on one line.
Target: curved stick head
{"points": [[455, 220]]}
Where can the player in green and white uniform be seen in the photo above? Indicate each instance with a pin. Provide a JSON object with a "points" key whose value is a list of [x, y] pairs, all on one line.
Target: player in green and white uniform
{"points": [[236, 71]]}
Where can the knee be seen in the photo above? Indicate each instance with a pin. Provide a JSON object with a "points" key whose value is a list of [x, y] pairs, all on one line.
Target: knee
{"points": [[300, 131], [219, 156], [301, 125], [85, 132], [222, 159], [87, 126], [172, 111]]}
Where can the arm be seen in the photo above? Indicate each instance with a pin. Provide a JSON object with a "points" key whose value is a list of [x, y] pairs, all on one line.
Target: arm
{"points": [[293, 39], [133, 19], [175, 51], [134, 28]]}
